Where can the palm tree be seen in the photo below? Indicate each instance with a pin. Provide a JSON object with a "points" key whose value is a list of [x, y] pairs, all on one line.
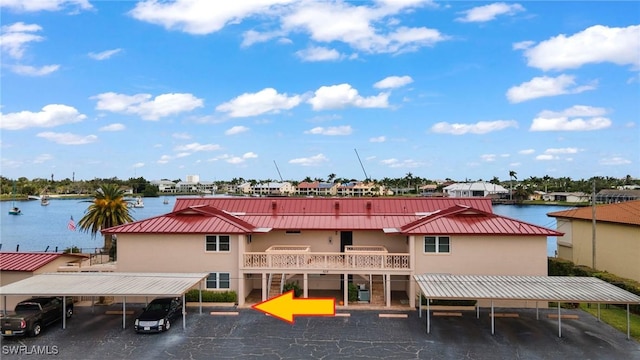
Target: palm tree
{"points": [[331, 177], [512, 175], [108, 209]]}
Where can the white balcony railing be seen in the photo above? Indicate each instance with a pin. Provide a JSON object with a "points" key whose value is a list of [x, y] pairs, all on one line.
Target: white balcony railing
{"points": [[327, 261]]}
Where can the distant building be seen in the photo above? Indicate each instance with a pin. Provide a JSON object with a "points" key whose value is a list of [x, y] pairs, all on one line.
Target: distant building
{"points": [[617, 237], [571, 197], [164, 186], [474, 189], [608, 196]]}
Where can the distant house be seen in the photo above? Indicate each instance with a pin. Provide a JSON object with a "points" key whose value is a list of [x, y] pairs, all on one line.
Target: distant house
{"points": [[609, 196], [164, 186], [273, 188], [252, 245], [617, 239], [316, 188], [571, 197], [474, 189], [15, 266]]}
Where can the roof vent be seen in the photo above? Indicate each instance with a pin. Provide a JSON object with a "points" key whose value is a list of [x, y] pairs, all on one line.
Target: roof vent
{"points": [[336, 205], [273, 204], [368, 205]]}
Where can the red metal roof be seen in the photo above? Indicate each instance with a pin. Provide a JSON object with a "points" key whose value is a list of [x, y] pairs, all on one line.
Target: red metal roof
{"points": [[27, 261], [284, 205], [627, 212], [408, 216]]}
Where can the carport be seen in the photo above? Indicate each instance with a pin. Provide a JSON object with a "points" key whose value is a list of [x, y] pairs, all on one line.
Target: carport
{"points": [[526, 288], [107, 284]]}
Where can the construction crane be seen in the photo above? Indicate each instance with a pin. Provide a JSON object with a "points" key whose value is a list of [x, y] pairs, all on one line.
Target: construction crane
{"points": [[278, 170], [366, 177]]}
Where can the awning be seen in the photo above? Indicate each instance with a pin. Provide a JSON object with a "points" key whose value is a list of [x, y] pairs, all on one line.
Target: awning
{"points": [[528, 288], [106, 284]]}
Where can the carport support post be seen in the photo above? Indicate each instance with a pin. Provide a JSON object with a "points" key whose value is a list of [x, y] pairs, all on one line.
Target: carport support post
{"points": [[419, 303], [184, 312], [537, 316], [598, 312], [124, 312], [559, 321], [493, 320], [64, 312], [628, 324], [428, 318], [199, 298]]}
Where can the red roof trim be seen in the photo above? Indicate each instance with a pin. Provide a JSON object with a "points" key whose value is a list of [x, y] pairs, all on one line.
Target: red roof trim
{"points": [[29, 261]]}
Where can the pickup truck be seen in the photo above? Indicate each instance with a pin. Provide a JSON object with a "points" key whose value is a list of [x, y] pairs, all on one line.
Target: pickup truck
{"points": [[30, 316]]}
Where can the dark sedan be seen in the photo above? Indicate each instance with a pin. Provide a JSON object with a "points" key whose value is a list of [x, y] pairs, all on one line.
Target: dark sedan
{"points": [[157, 316]]}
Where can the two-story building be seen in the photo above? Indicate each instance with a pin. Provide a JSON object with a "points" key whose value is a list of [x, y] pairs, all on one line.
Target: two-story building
{"points": [[250, 244]]}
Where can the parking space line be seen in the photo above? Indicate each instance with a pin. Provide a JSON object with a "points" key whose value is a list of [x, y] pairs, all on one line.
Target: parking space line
{"points": [[224, 313], [400, 316]]}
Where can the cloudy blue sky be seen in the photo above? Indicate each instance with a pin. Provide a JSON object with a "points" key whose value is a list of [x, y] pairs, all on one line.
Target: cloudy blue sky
{"points": [[461, 90]]}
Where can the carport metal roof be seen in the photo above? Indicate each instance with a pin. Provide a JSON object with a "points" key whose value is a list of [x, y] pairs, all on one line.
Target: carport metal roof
{"points": [[104, 284], [529, 288], [532, 288]]}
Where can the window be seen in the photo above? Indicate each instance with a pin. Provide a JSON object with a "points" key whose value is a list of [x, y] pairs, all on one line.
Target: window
{"points": [[219, 243], [218, 280], [437, 244]]}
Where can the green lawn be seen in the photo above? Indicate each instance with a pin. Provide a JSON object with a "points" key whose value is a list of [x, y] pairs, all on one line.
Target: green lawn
{"points": [[616, 317]]}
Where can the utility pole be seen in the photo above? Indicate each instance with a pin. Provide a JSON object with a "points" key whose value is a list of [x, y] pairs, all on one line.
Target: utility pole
{"points": [[593, 226]]}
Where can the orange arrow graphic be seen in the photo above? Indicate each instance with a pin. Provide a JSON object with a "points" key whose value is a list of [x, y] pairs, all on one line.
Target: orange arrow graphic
{"points": [[285, 307]]}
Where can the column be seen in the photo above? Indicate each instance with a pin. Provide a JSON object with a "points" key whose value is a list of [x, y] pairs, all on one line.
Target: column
{"points": [[265, 291], [412, 267], [305, 285], [388, 294], [345, 285]]}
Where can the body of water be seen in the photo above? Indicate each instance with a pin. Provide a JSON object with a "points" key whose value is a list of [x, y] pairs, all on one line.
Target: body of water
{"points": [[41, 227]]}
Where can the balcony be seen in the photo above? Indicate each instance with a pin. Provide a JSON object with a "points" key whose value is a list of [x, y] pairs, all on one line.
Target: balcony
{"points": [[299, 257]]}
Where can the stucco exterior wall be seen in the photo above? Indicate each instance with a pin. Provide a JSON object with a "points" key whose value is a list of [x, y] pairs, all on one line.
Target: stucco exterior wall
{"points": [[617, 247], [319, 240], [175, 253]]}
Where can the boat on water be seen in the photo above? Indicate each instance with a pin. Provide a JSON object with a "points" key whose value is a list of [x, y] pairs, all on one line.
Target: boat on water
{"points": [[44, 200], [14, 209], [139, 203], [165, 201]]}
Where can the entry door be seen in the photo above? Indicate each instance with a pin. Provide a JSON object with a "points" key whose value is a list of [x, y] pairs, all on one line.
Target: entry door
{"points": [[346, 239]]}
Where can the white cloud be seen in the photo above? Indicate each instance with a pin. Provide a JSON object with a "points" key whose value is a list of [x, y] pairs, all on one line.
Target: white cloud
{"points": [[488, 157], [68, 138], [555, 151], [202, 17], [378, 139], [576, 118], [343, 95], [181, 136], [103, 55], [50, 116], [395, 163], [522, 45], [393, 82], [489, 12], [546, 157], [310, 161], [236, 130], [546, 86], [263, 102], [42, 158], [596, 44], [15, 37], [34, 71], [45, 5], [195, 147], [615, 160], [231, 159], [481, 127], [331, 131], [144, 106], [113, 127], [526, 151], [319, 53], [137, 165], [368, 27]]}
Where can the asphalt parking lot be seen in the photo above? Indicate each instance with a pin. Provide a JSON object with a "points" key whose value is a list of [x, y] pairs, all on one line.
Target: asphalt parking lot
{"points": [[363, 334]]}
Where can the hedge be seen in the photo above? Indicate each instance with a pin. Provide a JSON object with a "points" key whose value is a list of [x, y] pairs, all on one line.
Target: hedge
{"points": [[211, 296], [560, 267]]}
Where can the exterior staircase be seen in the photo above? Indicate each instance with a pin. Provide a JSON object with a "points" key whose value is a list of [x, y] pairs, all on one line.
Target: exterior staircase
{"points": [[276, 285], [377, 290]]}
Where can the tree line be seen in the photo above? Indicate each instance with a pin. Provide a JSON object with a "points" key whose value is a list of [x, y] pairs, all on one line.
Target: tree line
{"points": [[409, 184]]}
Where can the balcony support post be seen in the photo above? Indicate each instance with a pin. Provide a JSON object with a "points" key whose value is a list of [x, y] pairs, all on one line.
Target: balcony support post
{"points": [[388, 294], [305, 285], [265, 291], [345, 294]]}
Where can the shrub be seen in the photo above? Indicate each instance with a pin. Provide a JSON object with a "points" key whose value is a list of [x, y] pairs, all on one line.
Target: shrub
{"points": [[297, 291], [353, 292], [211, 296]]}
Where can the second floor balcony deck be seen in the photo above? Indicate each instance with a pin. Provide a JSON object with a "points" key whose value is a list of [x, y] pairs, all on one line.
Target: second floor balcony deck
{"points": [[299, 257]]}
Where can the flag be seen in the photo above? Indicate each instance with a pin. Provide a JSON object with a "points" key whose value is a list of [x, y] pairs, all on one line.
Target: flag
{"points": [[71, 225]]}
